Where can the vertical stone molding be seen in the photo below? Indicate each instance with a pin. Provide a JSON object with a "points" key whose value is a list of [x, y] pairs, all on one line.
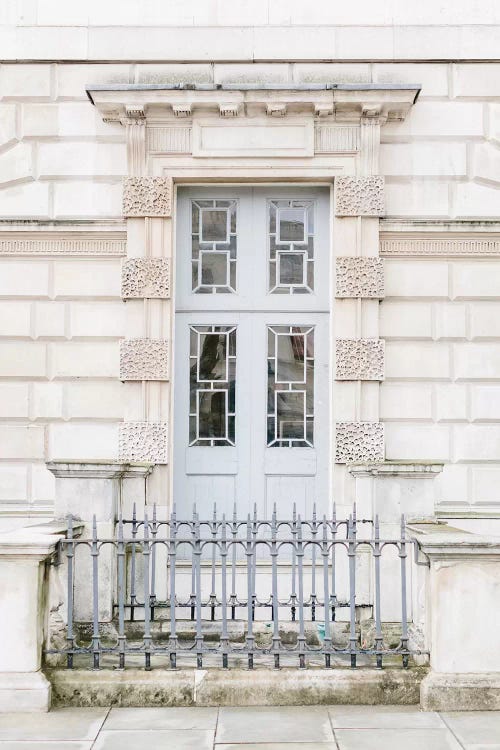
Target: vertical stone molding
{"points": [[135, 123], [143, 442], [357, 442], [144, 359], [147, 196], [359, 196], [359, 277], [359, 359], [146, 278], [370, 145]]}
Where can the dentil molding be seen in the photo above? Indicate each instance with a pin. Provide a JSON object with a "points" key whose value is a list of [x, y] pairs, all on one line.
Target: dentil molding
{"points": [[144, 359], [143, 442], [359, 277], [359, 359], [147, 196], [359, 196], [357, 442], [146, 278]]}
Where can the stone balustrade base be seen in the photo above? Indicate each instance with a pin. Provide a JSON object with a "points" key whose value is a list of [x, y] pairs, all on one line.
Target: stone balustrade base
{"points": [[460, 692], [24, 691]]}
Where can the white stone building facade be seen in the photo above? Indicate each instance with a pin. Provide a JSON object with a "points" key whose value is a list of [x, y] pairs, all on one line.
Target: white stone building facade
{"points": [[70, 258], [357, 143]]}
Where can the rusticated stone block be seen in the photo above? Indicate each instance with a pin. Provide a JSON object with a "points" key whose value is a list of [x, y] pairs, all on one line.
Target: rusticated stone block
{"points": [[146, 278], [359, 277], [147, 196], [144, 359], [359, 196], [143, 442], [359, 359], [357, 442]]}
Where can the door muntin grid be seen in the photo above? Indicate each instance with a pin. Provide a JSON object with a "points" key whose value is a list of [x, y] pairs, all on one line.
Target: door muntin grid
{"points": [[290, 391], [212, 385], [290, 246], [213, 246]]}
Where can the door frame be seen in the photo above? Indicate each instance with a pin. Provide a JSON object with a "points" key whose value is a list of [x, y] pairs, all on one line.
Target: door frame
{"points": [[179, 182]]}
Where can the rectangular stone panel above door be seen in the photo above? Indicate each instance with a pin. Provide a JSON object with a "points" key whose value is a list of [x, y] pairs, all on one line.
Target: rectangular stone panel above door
{"points": [[359, 196], [359, 359], [357, 442]]}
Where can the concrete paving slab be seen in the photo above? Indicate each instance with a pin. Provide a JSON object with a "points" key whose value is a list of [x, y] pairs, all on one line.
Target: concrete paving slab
{"points": [[384, 717], [280, 746], [274, 724], [59, 724], [479, 727], [395, 739], [176, 739], [54, 745], [161, 718]]}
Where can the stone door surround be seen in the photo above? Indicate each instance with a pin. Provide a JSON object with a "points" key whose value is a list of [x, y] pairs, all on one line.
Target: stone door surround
{"points": [[252, 133]]}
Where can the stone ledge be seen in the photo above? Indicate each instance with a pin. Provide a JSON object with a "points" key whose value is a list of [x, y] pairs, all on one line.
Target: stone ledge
{"points": [[235, 687], [460, 692], [414, 470], [24, 691]]}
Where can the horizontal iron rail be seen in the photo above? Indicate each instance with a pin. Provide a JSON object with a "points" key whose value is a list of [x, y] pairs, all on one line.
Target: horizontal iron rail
{"points": [[226, 551]]}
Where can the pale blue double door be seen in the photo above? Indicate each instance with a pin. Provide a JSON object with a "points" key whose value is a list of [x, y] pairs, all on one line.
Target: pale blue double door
{"points": [[252, 381]]}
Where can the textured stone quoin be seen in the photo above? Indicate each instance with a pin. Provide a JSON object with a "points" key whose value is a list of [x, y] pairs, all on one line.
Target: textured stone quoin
{"points": [[143, 442], [359, 196], [359, 277], [357, 442], [145, 278], [147, 196], [359, 359], [144, 359]]}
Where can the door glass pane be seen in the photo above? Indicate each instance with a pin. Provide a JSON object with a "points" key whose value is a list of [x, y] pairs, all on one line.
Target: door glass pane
{"points": [[290, 396], [291, 246], [212, 382], [213, 246]]}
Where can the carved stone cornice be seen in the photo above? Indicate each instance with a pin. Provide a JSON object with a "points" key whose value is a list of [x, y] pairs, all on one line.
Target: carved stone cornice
{"points": [[343, 102]]}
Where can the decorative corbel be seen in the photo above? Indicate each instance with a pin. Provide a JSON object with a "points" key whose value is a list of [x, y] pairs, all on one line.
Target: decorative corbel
{"points": [[135, 124]]}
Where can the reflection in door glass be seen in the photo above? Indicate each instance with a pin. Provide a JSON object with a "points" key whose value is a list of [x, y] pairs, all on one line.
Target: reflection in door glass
{"points": [[212, 380], [290, 391], [213, 246], [291, 246]]}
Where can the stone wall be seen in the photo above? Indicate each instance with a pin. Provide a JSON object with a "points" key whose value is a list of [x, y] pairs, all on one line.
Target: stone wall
{"points": [[62, 233]]}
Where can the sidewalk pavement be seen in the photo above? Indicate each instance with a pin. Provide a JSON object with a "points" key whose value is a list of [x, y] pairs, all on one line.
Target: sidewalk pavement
{"points": [[251, 728]]}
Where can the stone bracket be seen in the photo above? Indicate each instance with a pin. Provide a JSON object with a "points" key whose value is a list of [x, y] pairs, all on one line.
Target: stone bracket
{"points": [[357, 442], [359, 196], [147, 196], [359, 359], [144, 359], [359, 277]]}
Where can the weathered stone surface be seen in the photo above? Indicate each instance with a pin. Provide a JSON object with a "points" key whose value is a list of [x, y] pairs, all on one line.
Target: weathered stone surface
{"points": [[359, 441], [359, 277], [359, 359], [144, 359], [359, 196], [235, 687], [146, 278], [143, 441], [147, 196], [460, 692]]}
